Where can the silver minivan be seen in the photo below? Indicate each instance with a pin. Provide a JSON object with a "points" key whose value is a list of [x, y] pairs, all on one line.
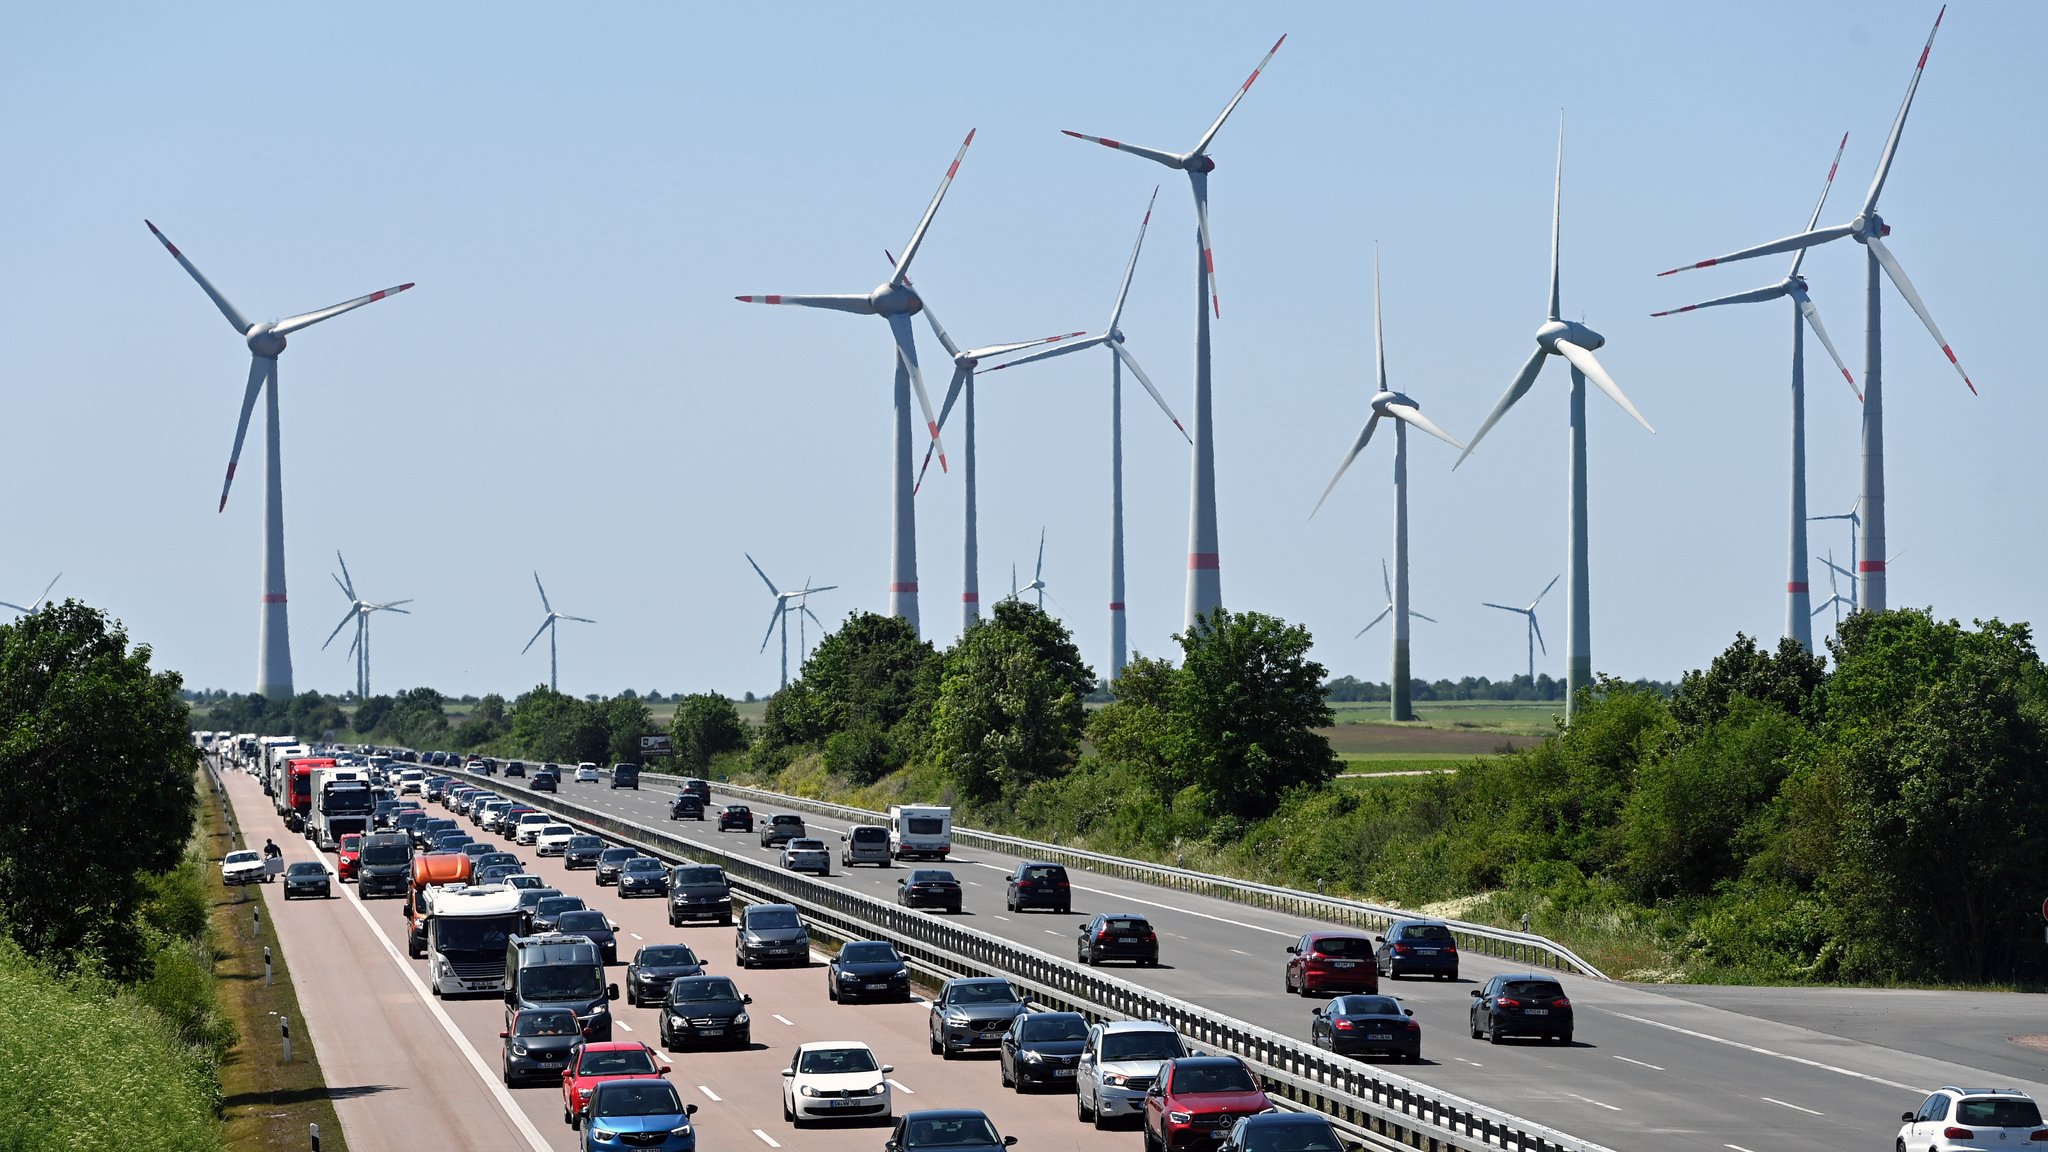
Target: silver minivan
{"points": [[864, 844], [1118, 1063]]}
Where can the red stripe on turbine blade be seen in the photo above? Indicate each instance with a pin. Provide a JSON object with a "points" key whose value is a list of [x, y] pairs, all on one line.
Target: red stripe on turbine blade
{"points": [[772, 299], [952, 168], [909, 587], [1923, 58], [1795, 586], [1108, 143], [1870, 566], [1203, 561], [273, 598], [970, 138]]}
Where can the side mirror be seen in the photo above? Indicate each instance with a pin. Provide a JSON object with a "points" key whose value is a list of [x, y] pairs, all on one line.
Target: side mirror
{"points": [[1379, 939], [1083, 927], [788, 1073], [665, 1069], [1293, 951], [1476, 993], [689, 1109], [1009, 1141], [1318, 1013], [611, 991], [888, 1068], [1407, 1011], [1905, 1117], [504, 1035], [746, 999]]}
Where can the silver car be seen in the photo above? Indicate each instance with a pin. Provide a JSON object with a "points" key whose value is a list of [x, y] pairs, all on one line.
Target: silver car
{"points": [[1119, 1062], [806, 855]]}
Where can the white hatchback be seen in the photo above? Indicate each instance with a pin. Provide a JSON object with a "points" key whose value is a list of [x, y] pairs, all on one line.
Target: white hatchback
{"points": [[586, 773], [1958, 1119], [552, 839], [834, 1079]]}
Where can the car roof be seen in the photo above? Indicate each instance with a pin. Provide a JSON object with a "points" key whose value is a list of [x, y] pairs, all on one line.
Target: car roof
{"points": [[1204, 1061], [945, 1114], [614, 1046], [966, 981], [832, 1045], [1112, 1026]]}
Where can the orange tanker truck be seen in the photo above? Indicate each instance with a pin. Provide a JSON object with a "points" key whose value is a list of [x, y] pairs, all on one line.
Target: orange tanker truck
{"points": [[428, 872]]}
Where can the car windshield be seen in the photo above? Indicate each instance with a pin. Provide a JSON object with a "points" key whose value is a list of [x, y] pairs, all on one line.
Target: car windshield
{"points": [[242, 857], [486, 934], [635, 1061], [870, 952], [583, 920], [614, 855], [703, 991], [531, 896], [562, 981], [758, 918], [636, 1098], [1998, 1112], [994, 992], [642, 864], [932, 876], [556, 830], [1125, 924], [1053, 1026], [1365, 1006], [585, 842], [667, 956], [556, 905], [353, 842], [1292, 1134], [526, 881], [949, 1132], [737, 809], [1427, 933], [385, 853], [1220, 1077], [1147, 1045], [1354, 946], [1533, 989], [553, 1022], [308, 868], [831, 1061], [699, 875]]}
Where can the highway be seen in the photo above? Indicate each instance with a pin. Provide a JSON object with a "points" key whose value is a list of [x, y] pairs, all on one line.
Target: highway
{"points": [[408, 1071], [1652, 1068]]}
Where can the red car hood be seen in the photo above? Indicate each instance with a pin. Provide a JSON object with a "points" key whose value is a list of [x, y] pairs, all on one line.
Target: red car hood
{"points": [[1237, 1102]]}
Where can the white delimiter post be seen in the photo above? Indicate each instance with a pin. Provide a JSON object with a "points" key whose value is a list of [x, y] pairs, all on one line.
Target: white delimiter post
{"points": [[1402, 708], [1578, 666], [1117, 649], [903, 558], [1870, 566], [1205, 577], [1798, 607], [273, 633]]}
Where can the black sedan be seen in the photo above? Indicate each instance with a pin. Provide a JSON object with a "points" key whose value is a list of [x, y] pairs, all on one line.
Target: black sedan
{"points": [[1524, 1005], [1043, 1048], [531, 897], [1118, 936], [643, 876], [954, 1129], [867, 970], [704, 1010], [582, 851], [537, 1045], [1367, 1025], [608, 862], [686, 806], [307, 878], [548, 910], [735, 818], [594, 925], [654, 968], [545, 781], [1283, 1132], [929, 888]]}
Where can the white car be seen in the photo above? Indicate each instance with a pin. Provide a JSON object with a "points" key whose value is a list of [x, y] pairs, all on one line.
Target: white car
{"points": [[529, 827], [412, 782], [520, 880], [242, 867], [807, 855], [552, 839], [586, 773], [1971, 1118], [832, 1079]]}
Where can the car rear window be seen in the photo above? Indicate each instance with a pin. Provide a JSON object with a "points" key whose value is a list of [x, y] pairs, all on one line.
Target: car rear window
{"points": [[1998, 1112], [1433, 933], [1045, 873], [583, 920], [1365, 1006], [665, 955], [584, 842], [1533, 989], [1343, 946], [1126, 924]]}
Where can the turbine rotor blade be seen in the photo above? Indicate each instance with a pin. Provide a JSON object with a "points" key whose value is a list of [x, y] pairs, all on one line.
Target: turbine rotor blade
{"points": [[763, 575], [1770, 293], [1822, 202], [1538, 630], [938, 329], [1523, 381], [549, 608], [1384, 613], [1891, 144], [292, 324], [578, 619], [906, 349], [1805, 239], [1131, 265], [1420, 616], [961, 373], [902, 272], [1583, 360], [1386, 580], [995, 350], [1556, 218], [544, 625], [44, 596], [1210, 135], [859, 305], [1905, 287], [260, 370], [1413, 415], [1812, 314], [1200, 181], [348, 584], [1131, 362], [338, 627], [235, 319], [1048, 354], [1503, 607], [1545, 592], [1167, 158], [774, 618], [1357, 445], [1038, 573]]}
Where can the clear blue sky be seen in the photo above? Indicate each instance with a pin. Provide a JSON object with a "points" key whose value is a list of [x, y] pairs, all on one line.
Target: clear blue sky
{"points": [[580, 192]]}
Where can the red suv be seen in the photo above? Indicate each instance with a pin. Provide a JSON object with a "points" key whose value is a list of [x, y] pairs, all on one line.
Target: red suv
{"points": [[349, 856], [1196, 1099], [1332, 962], [593, 1063]]}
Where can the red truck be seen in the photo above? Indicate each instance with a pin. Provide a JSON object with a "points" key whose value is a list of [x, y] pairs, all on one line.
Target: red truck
{"points": [[300, 773]]}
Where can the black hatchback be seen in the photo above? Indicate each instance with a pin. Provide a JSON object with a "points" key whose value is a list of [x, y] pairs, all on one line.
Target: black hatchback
{"points": [[610, 861], [1036, 884], [1043, 1048], [1117, 936], [1525, 1005], [929, 888], [1417, 948]]}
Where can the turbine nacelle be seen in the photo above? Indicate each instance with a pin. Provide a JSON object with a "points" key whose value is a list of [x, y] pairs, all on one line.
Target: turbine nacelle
{"points": [[1380, 400], [1570, 332], [1867, 225], [895, 300], [263, 342], [1201, 163]]}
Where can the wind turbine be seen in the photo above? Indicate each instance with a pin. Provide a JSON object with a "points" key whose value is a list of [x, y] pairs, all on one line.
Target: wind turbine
{"points": [[547, 625], [1837, 601], [36, 604], [1855, 518], [359, 610], [1403, 412], [266, 341], [1535, 629], [786, 603], [1798, 615], [1576, 343], [1112, 338], [895, 301], [1037, 576], [803, 644], [1205, 580], [1869, 229]]}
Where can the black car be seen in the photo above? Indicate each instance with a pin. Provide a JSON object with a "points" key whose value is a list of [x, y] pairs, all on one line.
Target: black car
{"points": [[435, 787], [698, 892], [781, 828], [954, 1129], [404, 819], [541, 920], [493, 859], [867, 970], [1367, 1025], [643, 876], [735, 818], [705, 1009], [929, 888], [545, 781], [685, 806], [1042, 1048], [307, 878], [424, 831], [530, 897], [516, 768], [381, 818], [594, 926], [609, 862], [771, 933], [1524, 1005], [1117, 936], [1417, 947], [654, 968], [1283, 1132], [478, 849], [450, 840], [537, 1045], [582, 851], [496, 873], [1036, 884], [626, 776]]}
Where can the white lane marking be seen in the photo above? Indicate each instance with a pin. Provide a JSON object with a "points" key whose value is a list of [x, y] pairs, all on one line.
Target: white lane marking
{"points": [[623, 1024], [1639, 1063], [1240, 952], [636, 935], [1000, 916], [1737, 1147], [1050, 932], [1157, 904], [791, 1023], [1593, 1102], [1474, 1063], [1766, 1052], [513, 1111], [766, 1138], [898, 1085], [708, 1092], [1794, 1107]]}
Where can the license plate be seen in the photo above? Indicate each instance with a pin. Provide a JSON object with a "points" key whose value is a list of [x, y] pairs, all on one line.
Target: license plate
{"points": [[1343, 963], [1536, 1012], [1380, 1036], [1059, 1073], [838, 1103], [877, 987], [710, 1031]]}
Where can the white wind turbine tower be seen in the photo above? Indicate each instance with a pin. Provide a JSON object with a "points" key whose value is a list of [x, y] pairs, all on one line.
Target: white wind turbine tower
{"points": [[1205, 580], [896, 302], [35, 605], [359, 610], [1403, 411], [1869, 229], [786, 603], [1112, 338], [1535, 630], [266, 341], [1575, 343], [1798, 615], [547, 625]]}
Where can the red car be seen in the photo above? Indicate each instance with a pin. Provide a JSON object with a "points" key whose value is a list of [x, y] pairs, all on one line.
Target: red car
{"points": [[1196, 1099], [1332, 962], [591, 1064], [349, 856]]}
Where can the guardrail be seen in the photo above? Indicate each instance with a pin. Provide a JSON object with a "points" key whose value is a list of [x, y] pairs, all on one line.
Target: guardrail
{"points": [[1517, 947], [1357, 1095]]}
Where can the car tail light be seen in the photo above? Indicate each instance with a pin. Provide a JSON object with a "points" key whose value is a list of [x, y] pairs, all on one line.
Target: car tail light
{"points": [[1505, 1002], [1401, 948], [1341, 1025], [1102, 934], [1451, 948], [1414, 1027], [1060, 884], [2040, 1134], [1561, 1002], [1954, 1133], [1151, 938]]}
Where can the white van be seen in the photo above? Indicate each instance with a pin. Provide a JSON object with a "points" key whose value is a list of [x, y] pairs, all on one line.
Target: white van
{"points": [[920, 831]]}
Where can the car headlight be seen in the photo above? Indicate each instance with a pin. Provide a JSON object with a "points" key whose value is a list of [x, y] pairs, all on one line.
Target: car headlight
{"points": [[876, 1090], [810, 1091], [519, 1049], [956, 1017], [583, 1092], [1180, 1117], [604, 1134], [675, 1021], [1116, 1078], [740, 1020], [1033, 1056], [682, 1129]]}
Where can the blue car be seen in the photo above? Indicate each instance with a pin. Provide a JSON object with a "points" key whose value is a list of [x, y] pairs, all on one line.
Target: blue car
{"points": [[645, 1115]]}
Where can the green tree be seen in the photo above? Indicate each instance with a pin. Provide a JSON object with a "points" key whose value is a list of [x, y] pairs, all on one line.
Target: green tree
{"points": [[705, 725], [417, 718], [1134, 730], [1009, 710], [625, 720], [1246, 706], [372, 713], [486, 723], [872, 674], [1785, 680], [550, 725], [96, 779]]}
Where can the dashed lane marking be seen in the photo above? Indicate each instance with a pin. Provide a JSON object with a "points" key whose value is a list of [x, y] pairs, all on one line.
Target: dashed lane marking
{"points": [[1593, 1102], [1766, 1051], [1639, 1063], [791, 1023], [1785, 1104], [898, 1085], [766, 1138], [709, 1092], [636, 935], [623, 1024]]}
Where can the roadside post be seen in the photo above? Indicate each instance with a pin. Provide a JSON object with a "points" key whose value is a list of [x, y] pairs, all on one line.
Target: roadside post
{"points": [[284, 1027]]}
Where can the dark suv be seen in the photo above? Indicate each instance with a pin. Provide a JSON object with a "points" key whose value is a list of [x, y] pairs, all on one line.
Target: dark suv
{"points": [[972, 1012], [1524, 1005], [698, 892], [1417, 947], [781, 828], [1118, 936], [1038, 885]]}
